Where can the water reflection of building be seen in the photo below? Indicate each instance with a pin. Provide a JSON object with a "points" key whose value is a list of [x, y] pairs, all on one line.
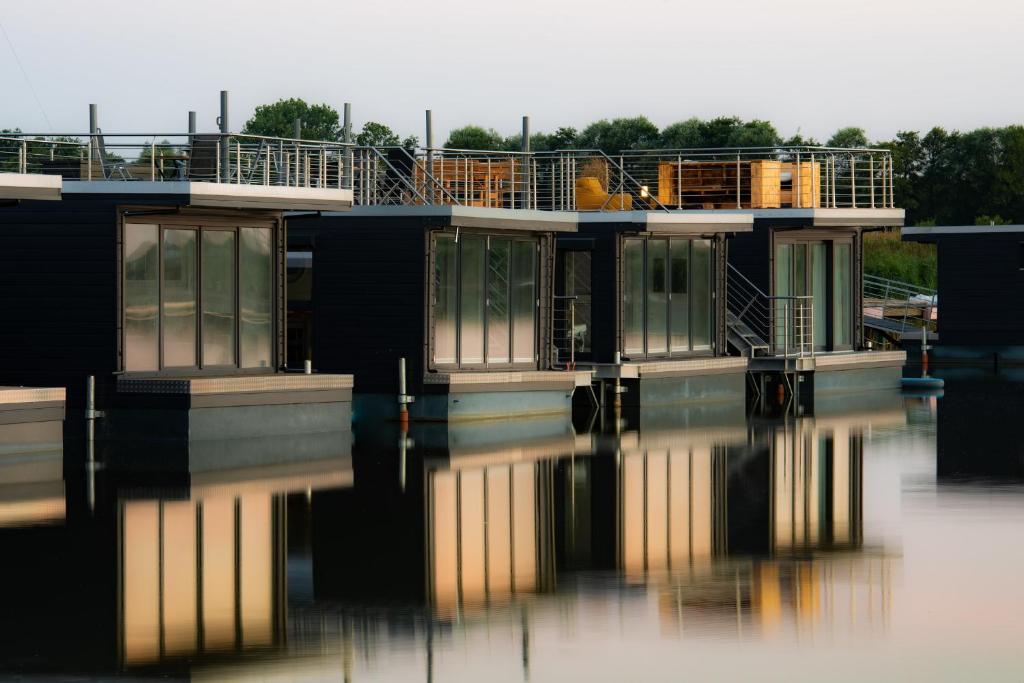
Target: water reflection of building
{"points": [[454, 516], [977, 429], [159, 570]]}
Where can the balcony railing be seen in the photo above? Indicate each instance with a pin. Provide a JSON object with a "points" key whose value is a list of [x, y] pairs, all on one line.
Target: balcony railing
{"points": [[590, 180], [217, 158]]}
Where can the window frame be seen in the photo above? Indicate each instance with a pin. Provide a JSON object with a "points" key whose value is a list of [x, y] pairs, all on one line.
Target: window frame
{"points": [[669, 239], [164, 220], [431, 302]]}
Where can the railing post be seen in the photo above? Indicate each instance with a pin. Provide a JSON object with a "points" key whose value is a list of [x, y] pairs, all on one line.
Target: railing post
{"points": [[853, 181], [23, 153], [871, 176], [799, 177], [152, 161], [238, 162], [739, 170]]}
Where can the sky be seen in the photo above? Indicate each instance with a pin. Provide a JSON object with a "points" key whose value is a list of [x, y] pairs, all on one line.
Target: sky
{"points": [[809, 66]]}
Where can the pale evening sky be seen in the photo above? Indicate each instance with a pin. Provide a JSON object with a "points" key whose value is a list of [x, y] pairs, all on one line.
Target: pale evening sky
{"points": [[812, 65]]}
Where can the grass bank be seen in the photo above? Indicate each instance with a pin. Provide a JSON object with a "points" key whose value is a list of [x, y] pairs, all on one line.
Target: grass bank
{"points": [[886, 256]]}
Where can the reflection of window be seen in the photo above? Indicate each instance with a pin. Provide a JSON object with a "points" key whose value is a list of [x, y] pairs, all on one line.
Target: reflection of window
{"points": [[667, 294], [197, 297], [484, 296]]}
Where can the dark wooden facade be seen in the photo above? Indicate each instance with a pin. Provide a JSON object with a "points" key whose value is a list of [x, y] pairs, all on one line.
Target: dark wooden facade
{"points": [[61, 279], [604, 241], [753, 254], [980, 284], [372, 300]]}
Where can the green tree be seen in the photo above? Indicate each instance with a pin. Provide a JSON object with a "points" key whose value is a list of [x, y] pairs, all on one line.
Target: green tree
{"points": [[376, 134], [620, 135], [850, 136], [723, 131], [319, 121], [474, 137]]}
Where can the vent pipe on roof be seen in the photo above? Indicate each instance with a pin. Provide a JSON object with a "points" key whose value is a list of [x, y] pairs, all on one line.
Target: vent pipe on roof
{"points": [[297, 129], [526, 134], [94, 143], [191, 124], [430, 153], [347, 130], [527, 195], [225, 147]]}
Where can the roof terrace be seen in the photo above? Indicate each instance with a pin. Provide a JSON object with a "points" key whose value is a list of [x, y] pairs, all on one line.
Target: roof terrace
{"points": [[762, 178], [217, 169]]}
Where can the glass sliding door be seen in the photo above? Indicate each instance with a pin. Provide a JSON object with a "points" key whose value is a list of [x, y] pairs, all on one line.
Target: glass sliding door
{"points": [[256, 297], [842, 294], [485, 299], [141, 297], [667, 296], [218, 297], [472, 276], [198, 297], [679, 306], [633, 296], [701, 288], [578, 284], [498, 329], [446, 300], [657, 296], [179, 289], [524, 301], [819, 290]]}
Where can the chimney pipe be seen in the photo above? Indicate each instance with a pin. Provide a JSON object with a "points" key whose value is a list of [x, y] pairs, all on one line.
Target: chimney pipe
{"points": [[347, 131], [225, 147]]}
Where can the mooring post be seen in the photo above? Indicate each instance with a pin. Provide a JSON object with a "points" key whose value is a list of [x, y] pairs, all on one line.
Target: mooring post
{"points": [[225, 148], [404, 399], [617, 401], [308, 367]]}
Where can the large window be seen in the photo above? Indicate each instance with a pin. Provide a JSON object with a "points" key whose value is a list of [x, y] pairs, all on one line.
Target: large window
{"points": [[667, 291], [197, 297], [822, 269], [485, 301]]}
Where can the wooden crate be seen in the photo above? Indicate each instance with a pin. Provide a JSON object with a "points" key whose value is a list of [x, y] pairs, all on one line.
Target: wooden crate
{"points": [[474, 182], [765, 184], [702, 184]]}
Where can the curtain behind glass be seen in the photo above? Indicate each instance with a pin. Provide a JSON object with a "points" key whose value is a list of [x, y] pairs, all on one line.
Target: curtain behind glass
{"points": [[445, 298], [657, 296], [256, 297], [700, 297], [179, 298], [141, 297], [524, 301], [633, 296], [471, 313], [218, 285], [679, 273]]}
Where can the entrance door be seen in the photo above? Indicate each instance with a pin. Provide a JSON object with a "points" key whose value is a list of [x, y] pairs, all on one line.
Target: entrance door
{"points": [[807, 269], [573, 324]]}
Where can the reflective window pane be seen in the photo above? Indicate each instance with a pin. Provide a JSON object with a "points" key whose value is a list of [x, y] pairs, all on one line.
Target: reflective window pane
{"points": [[657, 296], [471, 286], [256, 297], [445, 298], [700, 294], [179, 298], [783, 287], [141, 297], [218, 257], [842, 286], [633, 296], [524, 301], [679, 275], [819, 289], [498, 301], [577, 284]]}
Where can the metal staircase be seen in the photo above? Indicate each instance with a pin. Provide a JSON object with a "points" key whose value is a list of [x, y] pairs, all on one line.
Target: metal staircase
{"points": [[747, 315]]}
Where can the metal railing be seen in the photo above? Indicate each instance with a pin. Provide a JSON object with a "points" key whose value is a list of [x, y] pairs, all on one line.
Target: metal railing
{"points": [[232, 158], [591, 180], [897, 306], [792, 326], [763, 177], [769, 325], [566, 339]]}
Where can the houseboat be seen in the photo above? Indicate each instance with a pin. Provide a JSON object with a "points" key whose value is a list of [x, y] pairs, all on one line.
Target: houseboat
{"points": [[641, 302], [980, 277], [462, 293], [793, 276], [27, 414], [161, 274]]}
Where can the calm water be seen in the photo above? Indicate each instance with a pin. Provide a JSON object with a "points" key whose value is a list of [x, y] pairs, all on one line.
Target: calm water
{"points": [[882, 538]]}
